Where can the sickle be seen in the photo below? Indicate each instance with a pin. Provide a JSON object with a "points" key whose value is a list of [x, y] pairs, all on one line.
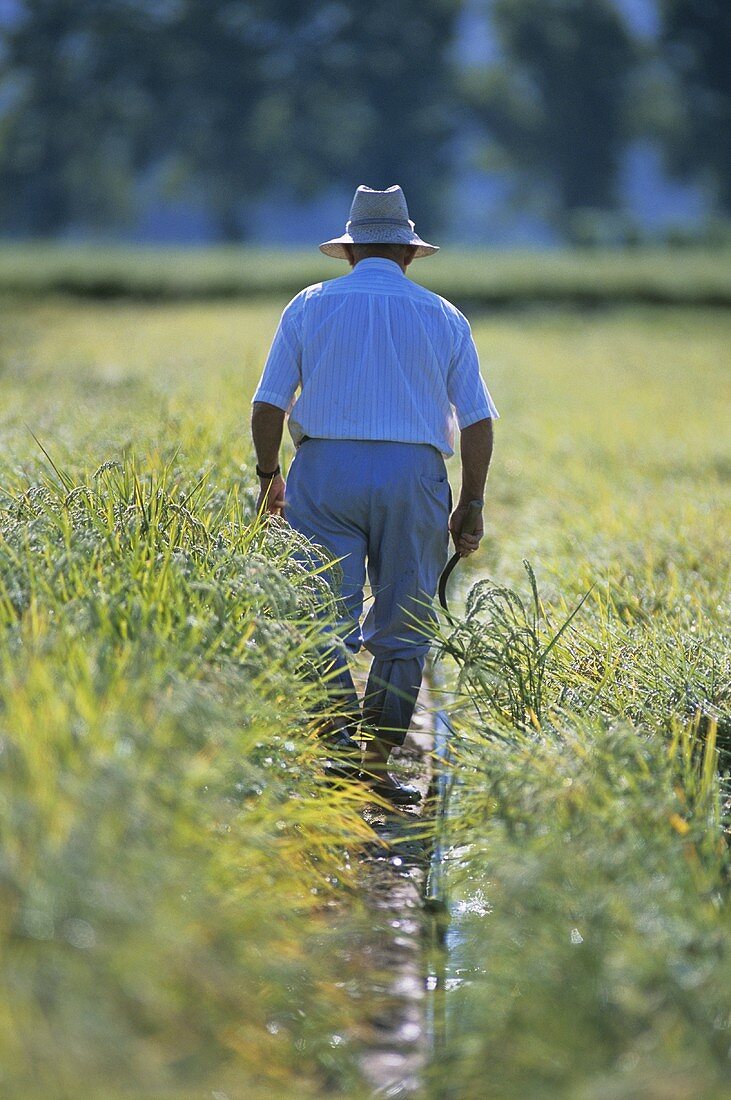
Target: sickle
{"points": [[467, 528]]}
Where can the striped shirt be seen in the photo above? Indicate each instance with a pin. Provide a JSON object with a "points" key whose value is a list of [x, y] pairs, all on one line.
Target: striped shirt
{"points": [[375, 356]]}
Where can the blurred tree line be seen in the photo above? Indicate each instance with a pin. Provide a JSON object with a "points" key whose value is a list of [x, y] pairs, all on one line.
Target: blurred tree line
{"points": [[241, 96]]}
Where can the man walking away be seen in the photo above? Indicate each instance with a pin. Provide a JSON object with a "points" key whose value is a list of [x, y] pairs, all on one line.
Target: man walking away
{"points": [[381, 365]]}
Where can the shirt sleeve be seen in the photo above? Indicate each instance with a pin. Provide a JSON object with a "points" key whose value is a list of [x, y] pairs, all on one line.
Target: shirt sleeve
{"points": [[282, 372], [466, 387]]}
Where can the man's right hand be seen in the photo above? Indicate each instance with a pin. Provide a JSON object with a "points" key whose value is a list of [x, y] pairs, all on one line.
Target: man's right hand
{"points": [[271, 495], [466, 544]]}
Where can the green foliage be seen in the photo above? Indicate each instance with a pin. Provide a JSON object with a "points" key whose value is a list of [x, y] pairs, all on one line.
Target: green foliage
{"points": [[554, 100], [106, 107], [218, 103], [523, 667], [696, 44], [167, 846], [162, 820], [589, 866], [591, 918], [589, 859], [574, 277]]}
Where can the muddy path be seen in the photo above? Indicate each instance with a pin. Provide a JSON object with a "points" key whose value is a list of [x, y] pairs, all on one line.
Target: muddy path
{"points": [[395, 1040]]}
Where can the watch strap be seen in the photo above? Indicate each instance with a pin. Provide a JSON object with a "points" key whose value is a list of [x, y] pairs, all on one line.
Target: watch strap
{"points": [[267, 473]]}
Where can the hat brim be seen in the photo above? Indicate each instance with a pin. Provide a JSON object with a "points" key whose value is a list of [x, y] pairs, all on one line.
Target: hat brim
{"points": [[335, 246]]}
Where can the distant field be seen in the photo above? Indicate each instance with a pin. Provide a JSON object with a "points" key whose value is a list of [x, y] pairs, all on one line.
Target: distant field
{"points": [[664, 276], [171, 864]]}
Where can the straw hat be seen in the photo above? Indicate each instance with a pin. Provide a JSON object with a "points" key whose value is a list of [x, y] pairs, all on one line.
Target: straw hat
{"points": [[378, 217]]}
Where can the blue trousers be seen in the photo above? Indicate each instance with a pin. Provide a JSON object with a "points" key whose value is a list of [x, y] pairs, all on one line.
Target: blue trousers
{"points": [[383, 509]]}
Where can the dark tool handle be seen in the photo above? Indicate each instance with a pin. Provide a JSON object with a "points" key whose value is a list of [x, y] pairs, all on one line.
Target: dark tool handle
{"points": [[467, 527], [471, 516]]}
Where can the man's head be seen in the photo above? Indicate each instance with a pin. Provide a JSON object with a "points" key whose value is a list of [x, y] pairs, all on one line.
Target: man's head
{"points": [[379, 219], [401, 254]]}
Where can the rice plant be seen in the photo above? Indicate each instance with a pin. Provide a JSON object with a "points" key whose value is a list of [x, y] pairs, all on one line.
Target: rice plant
{"points": [[168, 847], [589, 863], [695, 276], [182, 910]]}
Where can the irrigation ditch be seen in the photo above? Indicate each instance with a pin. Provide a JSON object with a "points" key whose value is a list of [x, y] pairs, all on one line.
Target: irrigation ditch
{"points": [[404, 890]]}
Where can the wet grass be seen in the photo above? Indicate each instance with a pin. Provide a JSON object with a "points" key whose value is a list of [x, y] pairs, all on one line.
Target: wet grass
{"points": [[171, 861]]}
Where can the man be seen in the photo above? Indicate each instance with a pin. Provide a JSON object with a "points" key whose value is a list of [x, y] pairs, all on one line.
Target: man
{"points": [[381, 363]]}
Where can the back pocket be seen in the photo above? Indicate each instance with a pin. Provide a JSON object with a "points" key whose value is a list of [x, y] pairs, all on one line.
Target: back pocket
{"points": [[439, 490]]}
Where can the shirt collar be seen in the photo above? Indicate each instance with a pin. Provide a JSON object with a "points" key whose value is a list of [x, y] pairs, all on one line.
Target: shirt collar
{"points": [[378, 263]]}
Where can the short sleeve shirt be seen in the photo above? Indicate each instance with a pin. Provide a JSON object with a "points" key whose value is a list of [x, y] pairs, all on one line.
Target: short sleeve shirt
{"points": [[373, 355]]}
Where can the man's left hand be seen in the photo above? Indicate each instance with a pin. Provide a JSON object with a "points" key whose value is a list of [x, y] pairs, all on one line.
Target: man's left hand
{"points": [[271, 495], [465, 544]]}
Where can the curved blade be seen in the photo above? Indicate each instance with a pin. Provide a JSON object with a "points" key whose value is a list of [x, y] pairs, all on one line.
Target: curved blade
{"points": [[446, 574], [474, 508]]}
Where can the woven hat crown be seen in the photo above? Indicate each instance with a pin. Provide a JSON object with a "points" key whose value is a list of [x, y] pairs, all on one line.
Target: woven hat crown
{"points": [[379, 206], [378, 217]]}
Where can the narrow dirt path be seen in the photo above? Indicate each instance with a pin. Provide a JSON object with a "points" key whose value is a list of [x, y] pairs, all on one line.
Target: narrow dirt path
{"points": [[394, 1039]]}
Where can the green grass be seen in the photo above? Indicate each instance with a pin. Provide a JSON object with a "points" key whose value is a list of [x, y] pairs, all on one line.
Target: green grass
{"points": [[580, 277], [591, 923], [167, 847], [588, 870], [169, 852], [170, 859]]}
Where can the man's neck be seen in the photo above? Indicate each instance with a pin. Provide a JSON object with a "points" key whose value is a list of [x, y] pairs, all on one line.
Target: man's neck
{"points": [[375, 256]]}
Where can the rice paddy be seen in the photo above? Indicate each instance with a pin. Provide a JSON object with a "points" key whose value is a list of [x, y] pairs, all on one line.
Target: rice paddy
{"points": [[181, 914], [593, 276]]}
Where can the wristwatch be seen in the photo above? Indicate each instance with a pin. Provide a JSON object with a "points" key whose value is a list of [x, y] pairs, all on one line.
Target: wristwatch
{"points": [[268, 475]]}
